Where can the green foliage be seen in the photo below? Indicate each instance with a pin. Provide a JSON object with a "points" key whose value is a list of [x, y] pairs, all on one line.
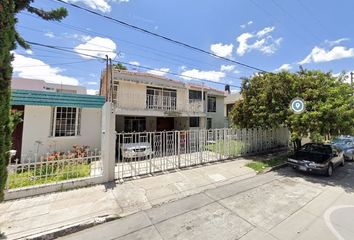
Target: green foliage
{"points": [[15, 118], [8, 39], [260, 166], [266, 98], [48, 174], [119, 66], [229, 148]]}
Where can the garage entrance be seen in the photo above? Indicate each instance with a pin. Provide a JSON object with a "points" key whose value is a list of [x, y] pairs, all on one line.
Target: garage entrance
{"points": [[165, 124]]}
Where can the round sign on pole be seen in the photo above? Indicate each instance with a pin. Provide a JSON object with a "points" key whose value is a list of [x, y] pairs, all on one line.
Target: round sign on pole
{"points": [[297, 105]]}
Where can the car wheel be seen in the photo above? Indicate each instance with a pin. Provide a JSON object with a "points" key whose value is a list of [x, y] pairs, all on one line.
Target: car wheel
{"points": [[330, 170]]}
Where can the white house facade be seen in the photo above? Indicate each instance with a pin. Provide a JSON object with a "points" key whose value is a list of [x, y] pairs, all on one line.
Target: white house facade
{"points": [[55, 122], [146, 102]]}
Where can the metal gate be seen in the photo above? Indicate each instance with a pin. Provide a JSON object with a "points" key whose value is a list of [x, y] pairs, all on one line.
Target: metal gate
{"points": [[144, 153]]}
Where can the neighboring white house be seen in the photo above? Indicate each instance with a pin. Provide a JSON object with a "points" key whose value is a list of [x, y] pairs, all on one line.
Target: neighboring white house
{"points": [[146, 102], [40, 85], [55, 121]]}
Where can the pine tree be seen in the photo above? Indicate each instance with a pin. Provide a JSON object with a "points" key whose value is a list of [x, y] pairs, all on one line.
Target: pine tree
{"points": [[8, 39]]}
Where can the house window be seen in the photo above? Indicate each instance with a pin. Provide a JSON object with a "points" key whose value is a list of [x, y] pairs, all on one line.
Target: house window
{"points": [[66, 121], [211, 104], [195, 95], [209, 123], [134, 124], [158, 98], [194, 122]]}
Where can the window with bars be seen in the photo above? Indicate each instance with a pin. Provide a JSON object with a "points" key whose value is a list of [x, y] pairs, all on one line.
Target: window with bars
{"points": [[211, 104], [66, 122]]}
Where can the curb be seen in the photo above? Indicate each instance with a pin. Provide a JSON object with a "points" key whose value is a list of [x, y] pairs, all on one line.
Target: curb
{"points": [[274, 168], [69, 229]]}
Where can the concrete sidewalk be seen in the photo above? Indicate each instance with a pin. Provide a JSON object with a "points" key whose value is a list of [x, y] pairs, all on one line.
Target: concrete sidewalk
{"points": [[51, 212]]}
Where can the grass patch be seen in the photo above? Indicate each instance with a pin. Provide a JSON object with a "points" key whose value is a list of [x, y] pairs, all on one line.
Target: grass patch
{"points": [[230, 148], [261, 165], [48, 174]]}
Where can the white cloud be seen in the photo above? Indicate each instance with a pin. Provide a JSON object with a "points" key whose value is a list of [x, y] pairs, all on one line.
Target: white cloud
{"points": [[207, 75], [29, 52], [246, 24], [336, 42], [92, 92], [159, 71], [263, 42], [265, 31], [92, 83], [101, 5], [227, 68], [27, 67], [322, 55], [285, 66], [222, 50], [136, 63], [49, 34], [97, 46]]}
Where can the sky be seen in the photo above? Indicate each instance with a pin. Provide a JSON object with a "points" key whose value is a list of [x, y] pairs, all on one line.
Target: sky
{"points": [[271, 35]]}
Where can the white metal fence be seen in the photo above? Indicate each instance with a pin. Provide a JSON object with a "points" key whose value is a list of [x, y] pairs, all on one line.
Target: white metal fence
{"points": [[148, 152], [54, 168]]}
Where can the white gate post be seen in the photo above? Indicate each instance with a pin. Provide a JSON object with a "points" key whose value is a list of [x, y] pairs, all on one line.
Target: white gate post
{"points": [[108, 141]]}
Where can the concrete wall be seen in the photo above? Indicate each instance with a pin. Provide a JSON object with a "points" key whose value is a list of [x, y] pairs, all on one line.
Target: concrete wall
{"points": [[40, 85], [218, 119], [131, 95], [36, 128]]}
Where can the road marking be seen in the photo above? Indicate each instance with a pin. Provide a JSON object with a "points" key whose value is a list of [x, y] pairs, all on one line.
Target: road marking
{"points": [[328, 222]]}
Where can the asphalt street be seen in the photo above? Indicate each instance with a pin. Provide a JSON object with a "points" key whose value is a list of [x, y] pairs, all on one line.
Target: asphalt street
{"points": [[283, 204]]}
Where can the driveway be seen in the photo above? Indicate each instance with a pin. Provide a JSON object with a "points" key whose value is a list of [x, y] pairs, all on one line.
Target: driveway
{"points": [[283, 204]]}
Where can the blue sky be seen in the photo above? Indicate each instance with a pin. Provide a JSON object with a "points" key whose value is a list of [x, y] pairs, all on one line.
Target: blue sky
{"points": [[272, 36]]}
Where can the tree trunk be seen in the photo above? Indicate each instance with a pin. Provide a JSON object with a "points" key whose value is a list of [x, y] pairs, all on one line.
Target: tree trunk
{"points": [[297, 144], [7, 43]]}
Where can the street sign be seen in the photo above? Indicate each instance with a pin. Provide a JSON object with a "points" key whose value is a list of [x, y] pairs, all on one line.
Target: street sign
{"points": [[297, 105]]}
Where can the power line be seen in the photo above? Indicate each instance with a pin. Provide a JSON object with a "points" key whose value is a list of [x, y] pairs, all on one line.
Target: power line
{"points": [[129, 64], [294, 18], [136, 28], [55, 64], [164, 54]]}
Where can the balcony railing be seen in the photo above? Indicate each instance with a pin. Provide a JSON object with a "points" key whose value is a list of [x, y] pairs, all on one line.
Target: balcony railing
{"points": [[157, 102]]}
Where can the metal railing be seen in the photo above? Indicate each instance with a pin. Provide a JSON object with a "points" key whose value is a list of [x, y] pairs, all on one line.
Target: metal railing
{"points": [[157, 102], [149, 152], [53, 168]]}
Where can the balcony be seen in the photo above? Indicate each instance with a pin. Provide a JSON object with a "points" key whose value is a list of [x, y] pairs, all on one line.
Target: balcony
{"points": [[140, 104], [164, 103]]}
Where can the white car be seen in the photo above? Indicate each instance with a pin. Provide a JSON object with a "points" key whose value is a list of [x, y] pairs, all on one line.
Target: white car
{"points": [[136, 150]]}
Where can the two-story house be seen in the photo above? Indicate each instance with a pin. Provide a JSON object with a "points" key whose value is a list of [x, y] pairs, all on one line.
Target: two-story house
{"points": [[146, 102]]}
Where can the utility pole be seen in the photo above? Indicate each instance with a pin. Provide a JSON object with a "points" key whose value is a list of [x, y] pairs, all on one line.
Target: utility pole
{"points": [[106, 80], [110, 80], [351, 81]]}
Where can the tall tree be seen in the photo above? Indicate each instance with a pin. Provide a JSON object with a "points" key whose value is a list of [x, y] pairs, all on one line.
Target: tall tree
{"points": [[8, 39], [266, 98]]}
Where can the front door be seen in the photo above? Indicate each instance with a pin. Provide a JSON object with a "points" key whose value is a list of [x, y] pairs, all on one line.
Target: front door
{"points": [[164, 124]]}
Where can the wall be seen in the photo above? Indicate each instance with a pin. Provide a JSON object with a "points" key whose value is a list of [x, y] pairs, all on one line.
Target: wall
{"points": [[131, 95], [36, 128], [218, 118]]}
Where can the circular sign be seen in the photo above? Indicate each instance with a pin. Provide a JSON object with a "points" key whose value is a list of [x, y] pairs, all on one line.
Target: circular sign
{"points": [[297, 105]]}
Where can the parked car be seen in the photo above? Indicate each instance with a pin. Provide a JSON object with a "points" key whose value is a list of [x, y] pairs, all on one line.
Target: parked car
{"points": [[136, 150], [345, 143], [317, 158]]}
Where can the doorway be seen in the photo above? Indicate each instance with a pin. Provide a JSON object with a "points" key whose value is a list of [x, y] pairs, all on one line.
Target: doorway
{"points": [[165, 124]]}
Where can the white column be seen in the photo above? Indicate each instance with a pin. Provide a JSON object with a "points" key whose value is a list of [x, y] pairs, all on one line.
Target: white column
{"points": [[108, 141]]}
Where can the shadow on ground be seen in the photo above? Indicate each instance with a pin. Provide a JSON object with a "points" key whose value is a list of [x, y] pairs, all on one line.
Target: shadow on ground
{"points": [[342, 177]]}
